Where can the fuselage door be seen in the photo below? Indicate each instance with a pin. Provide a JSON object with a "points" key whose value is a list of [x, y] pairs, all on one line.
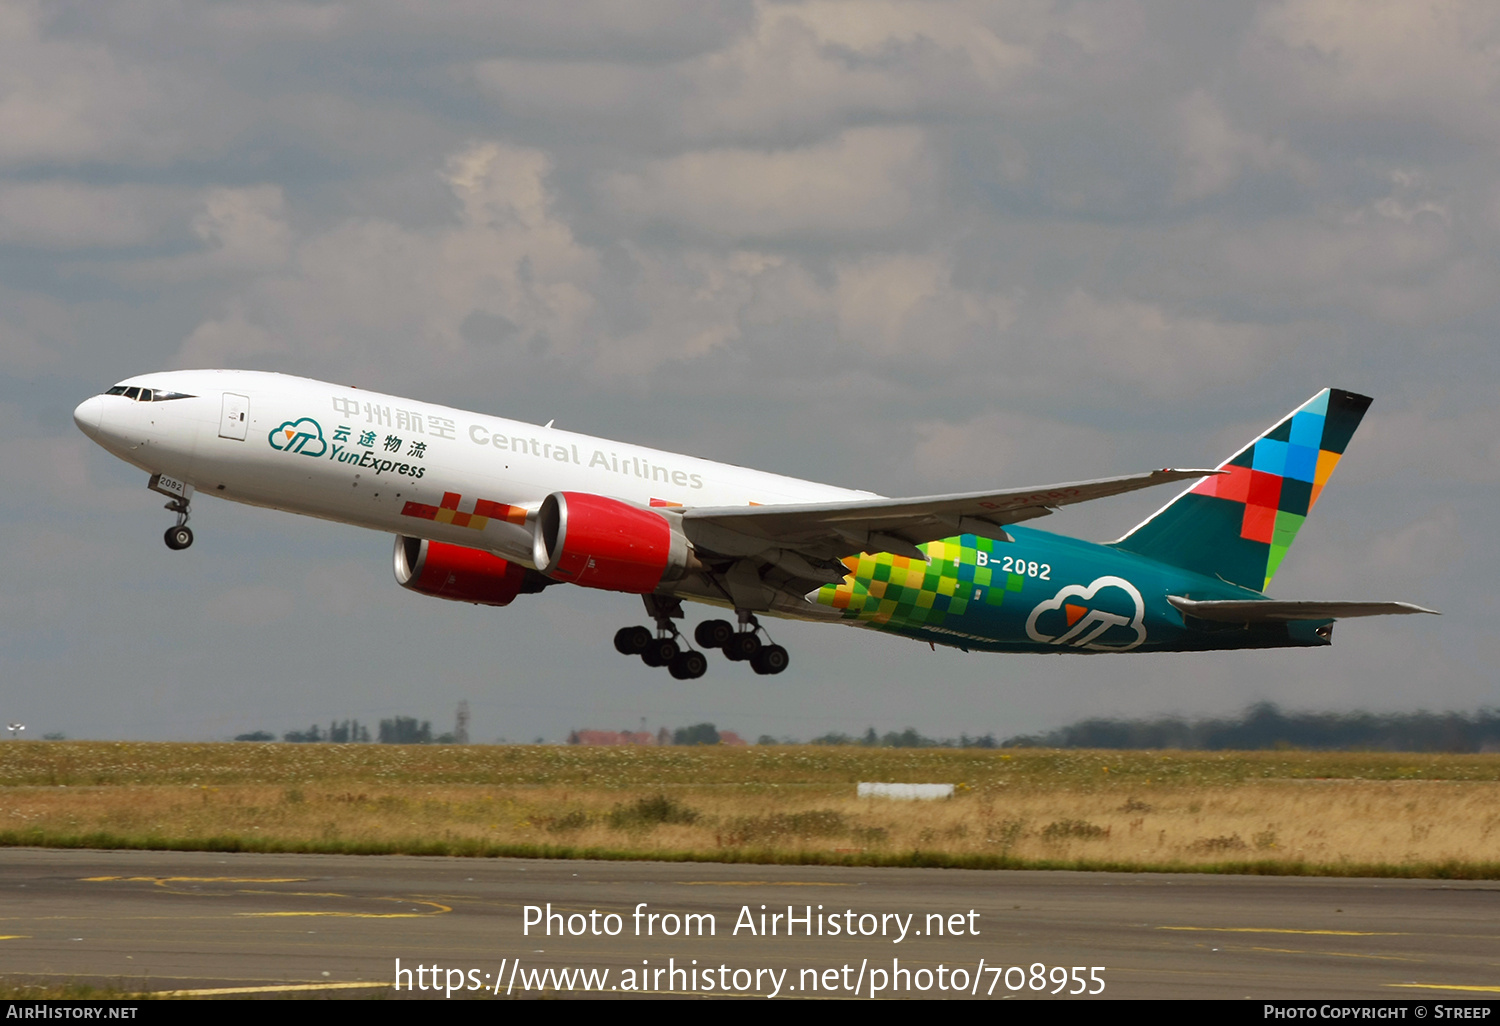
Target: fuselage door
{"points": [[233, 422]]}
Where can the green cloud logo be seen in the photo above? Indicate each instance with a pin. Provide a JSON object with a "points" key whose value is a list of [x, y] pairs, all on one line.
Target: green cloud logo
{"points": [[304, 435]]}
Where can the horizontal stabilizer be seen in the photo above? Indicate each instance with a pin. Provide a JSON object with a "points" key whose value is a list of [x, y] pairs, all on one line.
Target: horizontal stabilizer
{"points": [[1272, 610]]}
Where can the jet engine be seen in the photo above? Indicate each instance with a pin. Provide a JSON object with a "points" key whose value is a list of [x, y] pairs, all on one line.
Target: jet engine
{"points": [[598, 542], [461, 574]]}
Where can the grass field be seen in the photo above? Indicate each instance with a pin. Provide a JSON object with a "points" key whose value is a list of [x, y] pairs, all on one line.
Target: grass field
{"points": [[1263, 812]]}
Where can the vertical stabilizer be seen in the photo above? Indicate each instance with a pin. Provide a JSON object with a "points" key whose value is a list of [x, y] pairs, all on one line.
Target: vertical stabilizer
{"points": [[1238, 526]]}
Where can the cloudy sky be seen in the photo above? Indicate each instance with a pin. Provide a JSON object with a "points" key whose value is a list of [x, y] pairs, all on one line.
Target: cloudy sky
{"points": [[910, 247]]}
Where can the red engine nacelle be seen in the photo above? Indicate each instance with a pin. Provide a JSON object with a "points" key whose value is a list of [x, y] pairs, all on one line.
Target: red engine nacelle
{"points": [[457, 573], [605, 543]]}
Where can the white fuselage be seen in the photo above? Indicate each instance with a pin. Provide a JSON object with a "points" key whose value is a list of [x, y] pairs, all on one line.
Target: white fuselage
{"points": [[365, 458]]}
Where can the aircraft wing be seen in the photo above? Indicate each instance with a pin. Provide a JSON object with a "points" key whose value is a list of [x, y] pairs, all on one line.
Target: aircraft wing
{"points": [[1272, 610], [828, 530]]}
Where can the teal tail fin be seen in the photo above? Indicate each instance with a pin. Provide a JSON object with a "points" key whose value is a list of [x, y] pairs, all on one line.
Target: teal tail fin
{"points": [[1238, 526]]}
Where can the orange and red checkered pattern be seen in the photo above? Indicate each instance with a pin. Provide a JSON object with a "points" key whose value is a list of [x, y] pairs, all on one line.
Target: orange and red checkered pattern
{"points": [[447, 512]]}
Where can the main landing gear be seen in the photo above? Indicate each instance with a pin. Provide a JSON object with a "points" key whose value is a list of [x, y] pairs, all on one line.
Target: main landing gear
{"points": [[666, 648], [743, 645]]}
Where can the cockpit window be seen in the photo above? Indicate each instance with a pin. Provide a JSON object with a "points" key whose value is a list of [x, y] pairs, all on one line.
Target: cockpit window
{"points": [[146, 395]]}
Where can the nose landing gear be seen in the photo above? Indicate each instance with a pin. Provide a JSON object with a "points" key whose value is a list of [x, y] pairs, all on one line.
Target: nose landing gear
{"points": [[179, 536]]}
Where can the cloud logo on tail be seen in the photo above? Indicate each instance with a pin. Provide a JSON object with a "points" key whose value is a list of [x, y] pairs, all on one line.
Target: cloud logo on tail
{"points": [[1119, 612], [304, 436]]}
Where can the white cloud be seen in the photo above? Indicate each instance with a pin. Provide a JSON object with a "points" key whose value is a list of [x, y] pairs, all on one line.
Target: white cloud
{"points": [[695, 302], [1148, 346], [228, 341], [1006, 448], [70, 99], [371, 286], [1404, 266], [1384, 62], [61, 215], [37, 332], [1422, 549], [244, 227], [1215, 153], [801, 72], [868, 181], [906, 305], [1431, 438], [240, 233]]}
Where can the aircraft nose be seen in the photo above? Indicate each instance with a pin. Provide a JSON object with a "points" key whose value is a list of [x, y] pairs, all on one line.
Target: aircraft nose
{"points": [[87, 415]]}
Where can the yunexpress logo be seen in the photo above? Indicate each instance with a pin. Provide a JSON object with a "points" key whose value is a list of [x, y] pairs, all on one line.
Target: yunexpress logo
{"points": [[303, 435], [1106, 616]]}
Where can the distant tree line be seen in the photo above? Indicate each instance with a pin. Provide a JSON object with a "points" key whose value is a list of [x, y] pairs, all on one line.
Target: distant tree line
{"points": [[697, 734], [1266, 726], [1262, 726], [401, 730], [339, 733], [908, 738], [404, 730]]}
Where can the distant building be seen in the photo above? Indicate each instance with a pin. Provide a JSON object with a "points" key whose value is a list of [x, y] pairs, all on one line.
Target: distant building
{"points": [[729, 737], [611, 737]]}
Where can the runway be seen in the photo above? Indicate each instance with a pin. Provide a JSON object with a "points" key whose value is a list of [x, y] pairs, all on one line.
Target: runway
{"points": [[335, 925]]}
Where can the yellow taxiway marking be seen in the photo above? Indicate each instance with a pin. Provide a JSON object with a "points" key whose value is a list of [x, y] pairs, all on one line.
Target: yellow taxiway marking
{"points": [[15, 936], [437, 910], [761, 883], [1271, 929], [311, 894], [162, 881], [1446, 986], [1337, 954], [284, 988]]}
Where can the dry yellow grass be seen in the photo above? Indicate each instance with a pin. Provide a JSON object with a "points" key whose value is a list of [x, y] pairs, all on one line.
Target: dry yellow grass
{"points": [[1262, 812], [1323, 822]]}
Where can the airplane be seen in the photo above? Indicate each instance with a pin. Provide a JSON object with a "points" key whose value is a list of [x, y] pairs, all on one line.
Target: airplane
{"points": [[485, 510]]}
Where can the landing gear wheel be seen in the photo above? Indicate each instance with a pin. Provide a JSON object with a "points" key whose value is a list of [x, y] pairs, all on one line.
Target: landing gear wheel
{"points": [[660, 652], [741, 646], [628, 640], [713, 633], [179, 536], [689, 665], [771, 659]]}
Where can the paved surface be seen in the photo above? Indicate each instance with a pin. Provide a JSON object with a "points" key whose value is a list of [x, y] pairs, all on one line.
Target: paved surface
{"points": [[191, 921]]}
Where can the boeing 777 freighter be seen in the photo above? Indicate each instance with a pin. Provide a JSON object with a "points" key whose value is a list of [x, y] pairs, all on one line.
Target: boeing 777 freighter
{"points": [[486, 509]]}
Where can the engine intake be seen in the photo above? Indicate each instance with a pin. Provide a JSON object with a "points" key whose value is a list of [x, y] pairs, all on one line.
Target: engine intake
{"points": [[461, 574], [598, 542]]}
